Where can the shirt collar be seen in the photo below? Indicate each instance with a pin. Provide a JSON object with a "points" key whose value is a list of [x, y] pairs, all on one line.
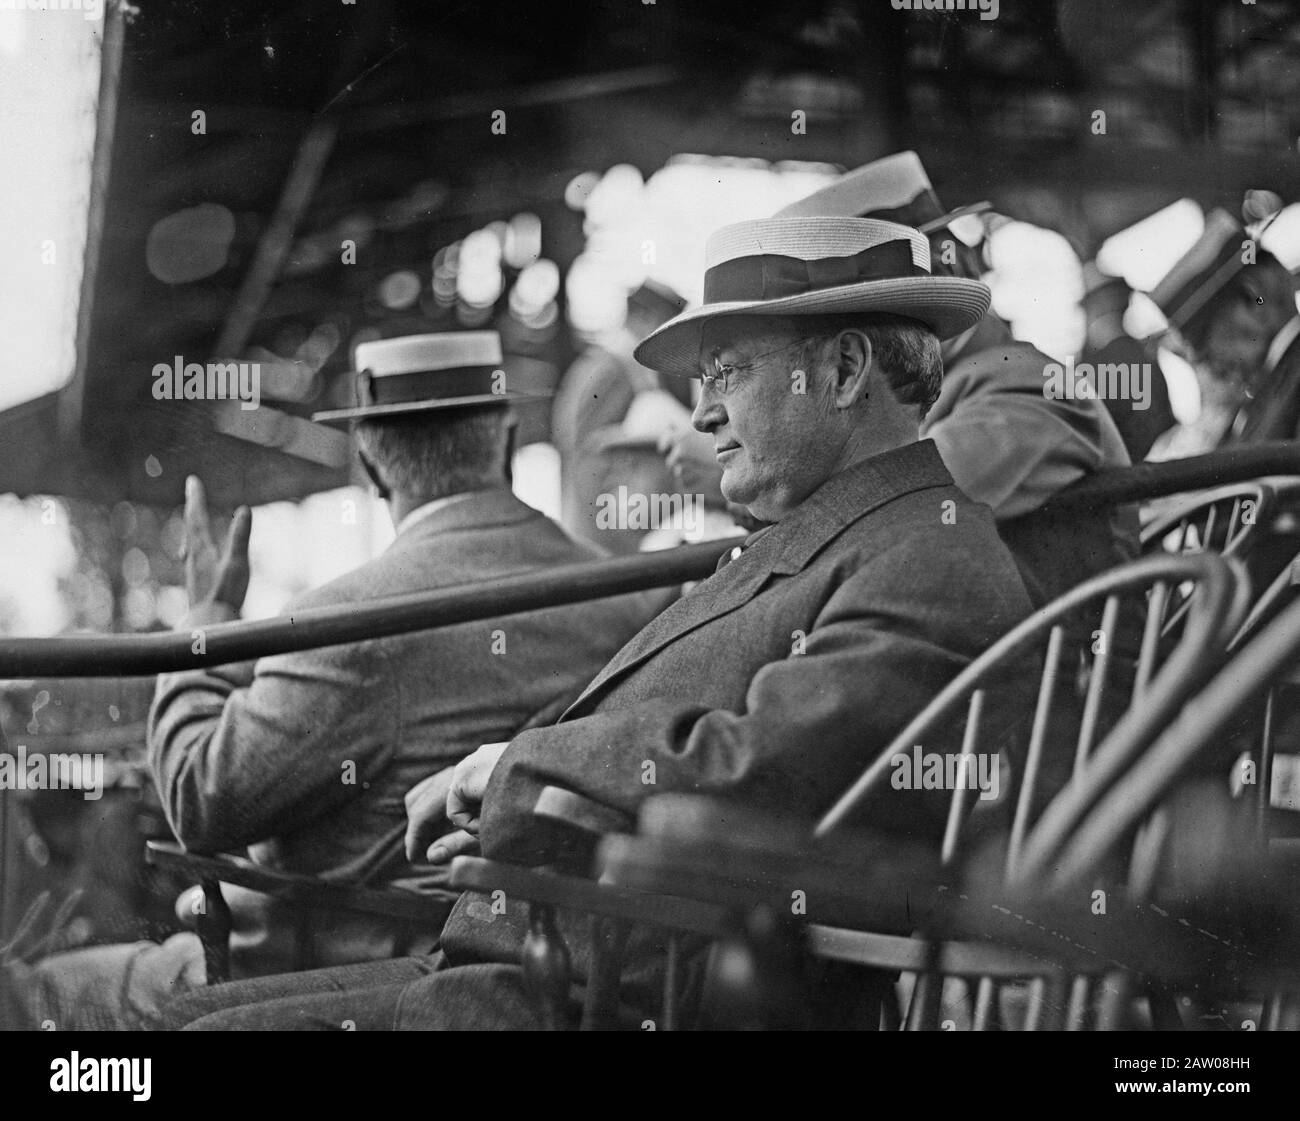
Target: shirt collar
{"points": [[422, 512], [1281, 342]]}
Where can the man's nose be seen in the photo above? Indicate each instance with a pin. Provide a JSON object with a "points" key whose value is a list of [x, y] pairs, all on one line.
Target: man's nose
{"points": [[709, 411]]}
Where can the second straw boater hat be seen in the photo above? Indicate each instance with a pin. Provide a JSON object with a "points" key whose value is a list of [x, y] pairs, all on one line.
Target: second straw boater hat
{"points": [[816, 266], [894, 188], [420, 373]]}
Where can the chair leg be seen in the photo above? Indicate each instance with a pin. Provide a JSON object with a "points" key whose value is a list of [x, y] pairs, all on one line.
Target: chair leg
{"points": [[1116, 990], [1055, 1002], [213, 926], [547, 967], [923, 1012], [1077, 1015], [986, 995], [608, 940], [672, 983], [1288, 1013], [1037, 1000]]}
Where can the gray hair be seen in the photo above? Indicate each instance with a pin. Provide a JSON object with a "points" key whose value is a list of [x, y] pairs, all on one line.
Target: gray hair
{"points": [[906, 350], [434, 454]]}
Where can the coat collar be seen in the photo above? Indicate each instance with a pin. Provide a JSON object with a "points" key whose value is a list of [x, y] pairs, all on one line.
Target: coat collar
{"points": [[850, 495], [478, 510], [785, 550]]}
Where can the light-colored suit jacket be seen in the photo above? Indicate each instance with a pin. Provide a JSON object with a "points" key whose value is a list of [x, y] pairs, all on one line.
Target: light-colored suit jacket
{"points": [[305, 758], [1013, 448]]}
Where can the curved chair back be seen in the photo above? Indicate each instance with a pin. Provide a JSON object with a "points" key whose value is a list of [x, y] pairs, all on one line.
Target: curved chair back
{"points": [[1190, 605], [1227, 520], [1074, 646], [1200, 727]]}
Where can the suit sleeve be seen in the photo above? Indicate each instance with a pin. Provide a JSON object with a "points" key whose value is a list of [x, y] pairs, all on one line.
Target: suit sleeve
{"points": [[240, 753], [810, 723], [1012, 448]]}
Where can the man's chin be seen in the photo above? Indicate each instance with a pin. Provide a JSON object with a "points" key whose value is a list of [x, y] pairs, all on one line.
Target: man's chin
{"points": [[734, 490]]}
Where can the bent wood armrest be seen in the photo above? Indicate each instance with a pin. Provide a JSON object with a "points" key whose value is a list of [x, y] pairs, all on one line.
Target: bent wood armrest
{"points": [[1141, 482], [580, 812], [896, 888], [552, 889], [308, 891]]}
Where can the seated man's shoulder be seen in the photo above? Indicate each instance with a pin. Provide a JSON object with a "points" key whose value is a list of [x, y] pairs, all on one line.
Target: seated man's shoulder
{"points": [[935, 529], [1010, 367]]}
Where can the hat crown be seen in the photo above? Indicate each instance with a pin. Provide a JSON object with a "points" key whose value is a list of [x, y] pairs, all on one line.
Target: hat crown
{"points": [[894, 182], [449, 350], [810, 239]]}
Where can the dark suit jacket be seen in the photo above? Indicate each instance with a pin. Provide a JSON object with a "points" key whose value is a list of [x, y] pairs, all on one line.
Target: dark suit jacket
{"points": [[307, 757], [776, 681], [1139, 428]]}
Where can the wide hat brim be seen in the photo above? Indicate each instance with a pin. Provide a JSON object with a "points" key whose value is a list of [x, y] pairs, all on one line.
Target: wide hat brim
{"points": [[405, 408], [948, 305]]}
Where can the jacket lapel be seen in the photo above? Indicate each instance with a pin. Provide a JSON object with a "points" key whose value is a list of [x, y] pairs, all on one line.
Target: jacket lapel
{"points": [[727, 589]]}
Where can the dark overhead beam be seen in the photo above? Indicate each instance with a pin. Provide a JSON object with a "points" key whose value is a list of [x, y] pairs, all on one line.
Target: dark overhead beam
{"points": [[278, 238]]}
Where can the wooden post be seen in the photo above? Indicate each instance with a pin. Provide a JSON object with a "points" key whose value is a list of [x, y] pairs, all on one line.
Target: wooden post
{"points": [[547, 968]]}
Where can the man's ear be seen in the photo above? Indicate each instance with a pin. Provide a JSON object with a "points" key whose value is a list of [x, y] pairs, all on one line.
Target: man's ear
{"points": [[372, 473], [853, 364]]}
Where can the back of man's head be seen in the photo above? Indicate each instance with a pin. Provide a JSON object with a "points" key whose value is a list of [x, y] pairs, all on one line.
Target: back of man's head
{"points": [[434, 454]]}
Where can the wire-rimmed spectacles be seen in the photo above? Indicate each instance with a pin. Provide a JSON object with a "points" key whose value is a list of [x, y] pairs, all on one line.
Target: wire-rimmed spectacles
{"points": [[722, 371]]}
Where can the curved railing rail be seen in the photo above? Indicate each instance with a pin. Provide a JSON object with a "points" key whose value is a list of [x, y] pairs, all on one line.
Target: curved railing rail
{"points": [[1116, 485], [144, 655], [147, 654]]}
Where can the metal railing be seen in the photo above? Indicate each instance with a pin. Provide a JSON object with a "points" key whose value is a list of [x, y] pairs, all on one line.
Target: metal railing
{"points": [[1116, 486], [147, 654]]}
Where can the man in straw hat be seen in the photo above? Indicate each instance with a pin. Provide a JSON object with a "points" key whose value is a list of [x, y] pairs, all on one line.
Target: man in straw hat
{"points": [[775, 682], [307, 757], [1234, 304], [1007, 442], [1107, 344]]}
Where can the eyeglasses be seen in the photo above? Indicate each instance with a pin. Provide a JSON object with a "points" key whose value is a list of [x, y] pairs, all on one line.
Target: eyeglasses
{"points": [[722, 371]]}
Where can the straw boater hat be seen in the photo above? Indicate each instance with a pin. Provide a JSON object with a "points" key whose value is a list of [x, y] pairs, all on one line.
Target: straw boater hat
{"points": [[816, 266], [420, 373], [894, 189]]}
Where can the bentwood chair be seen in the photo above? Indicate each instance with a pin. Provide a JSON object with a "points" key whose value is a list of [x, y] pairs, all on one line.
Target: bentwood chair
{"points": [[1226, 520], [305, 898], [1100, 701], [1234, 936]]}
